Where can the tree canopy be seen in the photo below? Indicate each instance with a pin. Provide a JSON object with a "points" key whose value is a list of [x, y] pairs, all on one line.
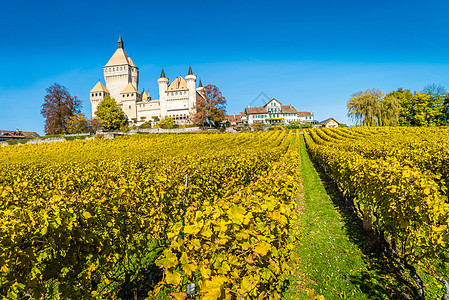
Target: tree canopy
{"points": [[211, 107], [58, 107], [78, 124], [109, 114], [372, 108], [430, 107]]}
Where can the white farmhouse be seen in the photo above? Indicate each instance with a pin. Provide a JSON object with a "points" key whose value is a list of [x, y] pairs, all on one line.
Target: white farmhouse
{"points": [[275, 113]]}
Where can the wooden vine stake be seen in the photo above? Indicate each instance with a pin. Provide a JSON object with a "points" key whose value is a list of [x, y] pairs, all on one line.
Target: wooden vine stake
{"points": [[367, 219]]}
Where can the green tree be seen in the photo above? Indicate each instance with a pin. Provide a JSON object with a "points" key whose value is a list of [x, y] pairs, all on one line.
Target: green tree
{"points": [[78, 124], [405, 98], [372, 108], [436, 105], [109, 114], [420, 111], [365, 108], [390, 110], [166, 122], [58, 107], [446, 110]]}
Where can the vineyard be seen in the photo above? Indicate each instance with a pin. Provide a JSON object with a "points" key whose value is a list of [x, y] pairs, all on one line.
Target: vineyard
{"points": [[397, 180], [216, 215], [148, 216]]}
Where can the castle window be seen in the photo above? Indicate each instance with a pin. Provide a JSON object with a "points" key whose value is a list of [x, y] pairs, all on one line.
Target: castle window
{"points": [[127, 95], [132, 95], [123, 96], [129, 106]]}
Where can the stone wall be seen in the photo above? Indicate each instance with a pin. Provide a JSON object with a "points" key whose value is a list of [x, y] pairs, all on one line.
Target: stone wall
{"points": [[109, 135], [161, 130], [49, 140]]}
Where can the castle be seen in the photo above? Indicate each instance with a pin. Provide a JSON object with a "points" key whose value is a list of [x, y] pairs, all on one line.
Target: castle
{"points": [[176, 100]]}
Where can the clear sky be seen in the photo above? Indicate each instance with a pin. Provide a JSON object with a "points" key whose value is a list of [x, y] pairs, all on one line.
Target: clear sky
{"points": [[311, 54]]}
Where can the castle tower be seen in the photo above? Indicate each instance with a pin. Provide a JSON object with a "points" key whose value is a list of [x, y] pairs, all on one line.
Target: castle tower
{"points": [[119, 71], [97, 94], [128, 98], [200, 88], [163, 85], [191, 86]]}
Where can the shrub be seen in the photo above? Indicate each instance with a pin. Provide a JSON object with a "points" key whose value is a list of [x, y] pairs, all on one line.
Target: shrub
{"points": [[166, 123]]}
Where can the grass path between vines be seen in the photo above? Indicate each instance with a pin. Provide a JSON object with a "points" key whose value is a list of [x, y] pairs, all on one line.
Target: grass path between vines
{"points": [[334, 256]]}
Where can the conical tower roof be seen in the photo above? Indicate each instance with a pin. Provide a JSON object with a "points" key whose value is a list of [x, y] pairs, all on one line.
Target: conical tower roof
{"points": [[99, 87], [144, 95], [120, 42], [118, 58], [130, 88]]}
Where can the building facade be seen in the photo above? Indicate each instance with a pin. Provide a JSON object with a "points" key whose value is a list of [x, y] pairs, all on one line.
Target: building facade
{"points": [[329, 123], [274, 112], [176, 99]]}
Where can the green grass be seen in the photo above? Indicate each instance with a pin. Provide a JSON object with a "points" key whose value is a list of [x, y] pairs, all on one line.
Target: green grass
{"points": [[334, 256]]}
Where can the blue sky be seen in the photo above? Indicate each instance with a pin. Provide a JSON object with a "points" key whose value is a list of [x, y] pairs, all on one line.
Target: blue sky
{"points": [[311, 54]]}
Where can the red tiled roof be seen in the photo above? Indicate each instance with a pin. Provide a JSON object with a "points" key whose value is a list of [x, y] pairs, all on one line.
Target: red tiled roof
{"points": [[304, 114], [233, 118], [255, 110], [25, 134], [288, 109]]}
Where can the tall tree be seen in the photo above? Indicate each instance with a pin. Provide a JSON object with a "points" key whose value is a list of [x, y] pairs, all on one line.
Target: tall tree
{"points": [[365, 107], [58, 107], [446, 109], [372, 108], [109, 114], [211, 107], [390, 111], [420, 113], [405, 98], [436, 105]]}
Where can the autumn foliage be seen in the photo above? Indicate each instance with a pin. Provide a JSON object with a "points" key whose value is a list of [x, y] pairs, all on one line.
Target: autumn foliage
{"points": [[211, 107], [59, 106], [85, 219], [397, 178]]}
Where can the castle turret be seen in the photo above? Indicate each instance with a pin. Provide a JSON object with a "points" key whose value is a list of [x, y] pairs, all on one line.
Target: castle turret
{"points": [[144, 96], [163, 85], [200, 88], [191, 86], [97, 95], [128, 99]]}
